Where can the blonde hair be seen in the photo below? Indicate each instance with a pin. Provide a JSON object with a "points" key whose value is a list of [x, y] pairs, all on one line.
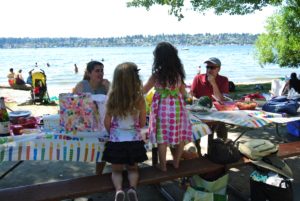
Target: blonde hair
{"points": [[125, 93]]}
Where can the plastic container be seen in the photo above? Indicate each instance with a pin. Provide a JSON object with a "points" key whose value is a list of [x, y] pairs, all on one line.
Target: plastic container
{"points": [[51, 122], [246, 105], [226, 106]]}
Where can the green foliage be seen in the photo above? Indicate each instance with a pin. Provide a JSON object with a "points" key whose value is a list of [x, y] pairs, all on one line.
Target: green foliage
{"points": [[281, 43], [232, 7]]}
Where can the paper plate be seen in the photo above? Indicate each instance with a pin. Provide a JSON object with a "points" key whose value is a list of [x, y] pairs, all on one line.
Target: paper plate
{"points": [[19, 113]]}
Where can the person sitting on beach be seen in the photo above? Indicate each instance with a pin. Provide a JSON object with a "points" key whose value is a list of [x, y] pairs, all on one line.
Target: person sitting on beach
{"points": [[125, 116], [213, 85], [29, 78], [11, 77], [93, 81], [292, 83], [169, 122], [19, 78]]}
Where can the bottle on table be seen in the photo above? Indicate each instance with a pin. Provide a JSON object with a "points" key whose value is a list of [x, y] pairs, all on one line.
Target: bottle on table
{"points": [[4, 119]]}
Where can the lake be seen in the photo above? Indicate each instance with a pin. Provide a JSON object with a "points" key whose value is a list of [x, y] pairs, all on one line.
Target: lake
{"points": [[238, 63]]}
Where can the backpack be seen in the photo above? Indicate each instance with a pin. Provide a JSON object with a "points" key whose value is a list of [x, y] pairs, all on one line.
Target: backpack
{"points": [[256, 149]]}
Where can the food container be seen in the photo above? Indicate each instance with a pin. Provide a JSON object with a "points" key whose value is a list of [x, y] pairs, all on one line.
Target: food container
{"points": [[246, 105], [15, 115], [51, 122], [17, 129], [226, 106], [28, 122]]}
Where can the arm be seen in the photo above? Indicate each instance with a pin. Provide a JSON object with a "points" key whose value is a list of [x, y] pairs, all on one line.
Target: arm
{"points": [[285, 88], [107, 122], [216, 90], [149, 84], [142, 116]]}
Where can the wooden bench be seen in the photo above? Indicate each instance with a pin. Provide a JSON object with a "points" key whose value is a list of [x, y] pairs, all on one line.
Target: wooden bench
{"points": [[78, 187]]}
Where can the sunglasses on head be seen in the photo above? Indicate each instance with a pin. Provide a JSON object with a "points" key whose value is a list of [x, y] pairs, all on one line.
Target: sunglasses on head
{"points": [[211, 67]]}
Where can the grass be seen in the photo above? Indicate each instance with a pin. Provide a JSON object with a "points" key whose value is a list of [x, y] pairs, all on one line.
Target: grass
{"points": [[244, 89]]}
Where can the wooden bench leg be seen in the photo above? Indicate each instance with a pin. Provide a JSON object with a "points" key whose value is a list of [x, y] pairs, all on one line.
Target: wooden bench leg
{"points": [[99, 167], [154, 155]]}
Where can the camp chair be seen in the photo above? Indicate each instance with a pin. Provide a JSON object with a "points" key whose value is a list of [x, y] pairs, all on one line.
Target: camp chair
{"points": [[277, 87], [39, 93]]}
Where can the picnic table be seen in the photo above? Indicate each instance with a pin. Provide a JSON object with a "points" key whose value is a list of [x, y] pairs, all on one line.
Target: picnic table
{"points": [[247, 119]]}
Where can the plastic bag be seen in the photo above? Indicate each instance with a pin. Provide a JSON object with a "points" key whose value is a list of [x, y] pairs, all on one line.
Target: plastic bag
{"points": [[203, 190]]}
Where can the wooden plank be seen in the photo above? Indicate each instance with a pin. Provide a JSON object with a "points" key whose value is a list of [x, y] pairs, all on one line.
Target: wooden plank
{"points": [[77, 187]]}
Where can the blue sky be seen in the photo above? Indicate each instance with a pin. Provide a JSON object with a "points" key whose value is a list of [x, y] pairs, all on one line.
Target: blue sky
{"points": [[111, 18]]}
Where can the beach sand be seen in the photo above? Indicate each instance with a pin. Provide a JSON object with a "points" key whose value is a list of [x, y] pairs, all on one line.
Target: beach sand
{"points": [[34, 172]]}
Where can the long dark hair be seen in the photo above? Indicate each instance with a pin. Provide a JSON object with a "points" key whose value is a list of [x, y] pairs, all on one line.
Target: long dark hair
{"points": [[167, 66], [90, 67]]}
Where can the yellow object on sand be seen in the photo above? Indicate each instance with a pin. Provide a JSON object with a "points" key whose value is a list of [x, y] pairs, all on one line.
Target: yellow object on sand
{"points": [[149, 96]]}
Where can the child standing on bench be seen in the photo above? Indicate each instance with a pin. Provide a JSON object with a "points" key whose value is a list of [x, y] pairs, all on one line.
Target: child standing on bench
{"points": [[125, 116], [169, 123]]}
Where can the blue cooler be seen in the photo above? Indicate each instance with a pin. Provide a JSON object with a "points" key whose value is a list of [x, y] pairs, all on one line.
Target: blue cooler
{"points": [[294, 128]]}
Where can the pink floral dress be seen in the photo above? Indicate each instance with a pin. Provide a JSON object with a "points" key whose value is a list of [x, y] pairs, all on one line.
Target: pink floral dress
{"points": [[169, 122]]}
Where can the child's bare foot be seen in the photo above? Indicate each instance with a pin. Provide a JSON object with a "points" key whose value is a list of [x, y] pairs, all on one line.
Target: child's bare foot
{"points": [[160, 167]]}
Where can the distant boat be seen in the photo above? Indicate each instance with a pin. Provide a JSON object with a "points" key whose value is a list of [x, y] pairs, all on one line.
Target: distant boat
{"points": [[185, 48]]}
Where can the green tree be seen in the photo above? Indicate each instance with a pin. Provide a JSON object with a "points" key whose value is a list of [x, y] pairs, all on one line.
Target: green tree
{"points": [[232, 7], [281, 42]]}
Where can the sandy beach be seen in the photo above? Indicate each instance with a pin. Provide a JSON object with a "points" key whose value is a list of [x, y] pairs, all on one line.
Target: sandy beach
{"points": [[16, 97], [34, 172]]}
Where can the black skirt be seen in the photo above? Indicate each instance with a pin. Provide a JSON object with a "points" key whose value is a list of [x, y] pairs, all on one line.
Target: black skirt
{"points": [[125, 152]]}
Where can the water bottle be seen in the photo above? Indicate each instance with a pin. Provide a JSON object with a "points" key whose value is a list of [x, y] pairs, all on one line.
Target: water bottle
{"points": [[4, 119]]}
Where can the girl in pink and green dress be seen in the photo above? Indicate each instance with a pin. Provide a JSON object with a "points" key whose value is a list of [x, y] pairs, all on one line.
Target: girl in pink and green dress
{"points": [[169, 123]]}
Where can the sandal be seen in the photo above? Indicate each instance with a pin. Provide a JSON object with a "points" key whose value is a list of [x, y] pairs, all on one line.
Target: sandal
{"points": [[131, 194], [120, 195]]}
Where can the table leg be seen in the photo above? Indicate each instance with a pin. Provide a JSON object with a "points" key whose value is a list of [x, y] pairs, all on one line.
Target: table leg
{"points": [[154, 155], [99, 167], [11, 169]]}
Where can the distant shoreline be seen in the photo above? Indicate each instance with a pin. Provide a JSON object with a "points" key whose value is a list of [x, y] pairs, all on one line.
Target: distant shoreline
{"points": [[133, 41]]}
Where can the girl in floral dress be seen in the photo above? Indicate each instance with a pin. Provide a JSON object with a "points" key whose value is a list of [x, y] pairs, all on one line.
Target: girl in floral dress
{"points": [[169, 123], [125, 116]]}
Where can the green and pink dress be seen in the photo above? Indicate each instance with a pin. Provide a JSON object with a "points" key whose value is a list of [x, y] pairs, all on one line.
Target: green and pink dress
{"points": [[169, 122]]}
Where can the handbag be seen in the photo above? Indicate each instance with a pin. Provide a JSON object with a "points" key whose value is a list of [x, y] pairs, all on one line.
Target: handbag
{"points": [[281, 105], [204, 190], [255, 149], [223, 151]]}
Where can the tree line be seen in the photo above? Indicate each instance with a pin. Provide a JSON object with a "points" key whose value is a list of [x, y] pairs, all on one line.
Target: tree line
{"points": [[136, 40]]}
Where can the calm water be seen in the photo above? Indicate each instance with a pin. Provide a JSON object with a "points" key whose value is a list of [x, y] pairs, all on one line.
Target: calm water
{"points": [[238, 63]]}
